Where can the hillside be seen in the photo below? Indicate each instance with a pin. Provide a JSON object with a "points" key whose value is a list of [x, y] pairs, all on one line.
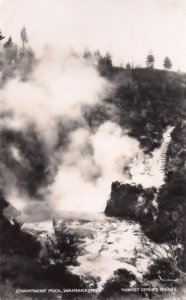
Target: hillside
{"points": [[146, 102], [157, 100]]}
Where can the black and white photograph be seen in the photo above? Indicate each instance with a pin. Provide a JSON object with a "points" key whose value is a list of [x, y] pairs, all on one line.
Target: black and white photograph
{"points": [[92, 149]]}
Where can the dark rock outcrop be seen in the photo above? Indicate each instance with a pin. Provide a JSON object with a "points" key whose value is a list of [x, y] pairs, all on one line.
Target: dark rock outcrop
{"points": [[130, 201], [14, 241]]}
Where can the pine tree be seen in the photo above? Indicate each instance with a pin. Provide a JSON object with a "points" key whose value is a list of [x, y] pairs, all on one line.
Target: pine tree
{"points": [[105, 64], [167, 63], [24, 37], [150, 60], [128, 66], [108, 59]]}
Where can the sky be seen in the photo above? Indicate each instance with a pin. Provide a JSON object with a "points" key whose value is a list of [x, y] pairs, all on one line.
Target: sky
{"points": [[129, 29]]}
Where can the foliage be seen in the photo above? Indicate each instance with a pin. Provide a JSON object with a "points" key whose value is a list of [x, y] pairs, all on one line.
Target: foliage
{"points": [[128, 66], [167, 63], [63, 247], [12, 239], [15, 61], [121, 279], [143, 101], [150, 60], [22, 261], [105, 65], [166, 262], [1, 36], [30, 273], [27, 269], [24, 37]]}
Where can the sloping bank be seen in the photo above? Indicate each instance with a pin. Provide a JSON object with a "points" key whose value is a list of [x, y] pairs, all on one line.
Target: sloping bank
{"points": [[160, 212]]}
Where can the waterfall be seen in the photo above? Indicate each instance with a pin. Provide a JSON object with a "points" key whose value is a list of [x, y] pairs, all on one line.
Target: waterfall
{"points": [[164, 148], [152, 170]]}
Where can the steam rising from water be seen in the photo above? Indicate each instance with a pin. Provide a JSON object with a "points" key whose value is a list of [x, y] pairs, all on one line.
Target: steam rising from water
{"points": [[45, 116], [91, 163], [52, 159]]}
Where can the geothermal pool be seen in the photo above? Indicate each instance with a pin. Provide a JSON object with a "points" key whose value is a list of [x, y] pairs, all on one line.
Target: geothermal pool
{"points": [[108, 244]]}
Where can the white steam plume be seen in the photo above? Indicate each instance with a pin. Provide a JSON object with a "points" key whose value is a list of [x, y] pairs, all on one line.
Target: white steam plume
{"points": [[90, 164], [58, 88], [93, 158]]}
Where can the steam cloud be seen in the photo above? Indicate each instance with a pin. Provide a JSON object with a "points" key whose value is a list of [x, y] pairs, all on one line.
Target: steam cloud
{"points": [[52, 159]]}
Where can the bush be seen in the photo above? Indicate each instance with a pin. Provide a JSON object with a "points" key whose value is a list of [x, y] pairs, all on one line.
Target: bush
{"points": [[121, 279]]}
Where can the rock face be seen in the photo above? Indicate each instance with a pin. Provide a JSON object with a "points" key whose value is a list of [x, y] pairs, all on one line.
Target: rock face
{"points": [[123, 200], [129, 201]]}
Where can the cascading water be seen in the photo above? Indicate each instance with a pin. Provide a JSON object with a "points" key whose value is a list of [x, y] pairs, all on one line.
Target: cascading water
{"points": [[151, 171], [110, 243]]}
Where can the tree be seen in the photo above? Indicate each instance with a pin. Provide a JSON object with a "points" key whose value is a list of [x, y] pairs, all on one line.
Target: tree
{"points": [[1, 36], [167, 63], [9, 43], [97, 55], [87, 54], [150, 60], [10, 52], [105, 65], [24, 37], [128, 66], [108, 59]]}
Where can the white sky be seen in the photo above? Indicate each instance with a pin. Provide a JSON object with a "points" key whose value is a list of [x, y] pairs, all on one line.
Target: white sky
{"points": [[127, 28]]}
